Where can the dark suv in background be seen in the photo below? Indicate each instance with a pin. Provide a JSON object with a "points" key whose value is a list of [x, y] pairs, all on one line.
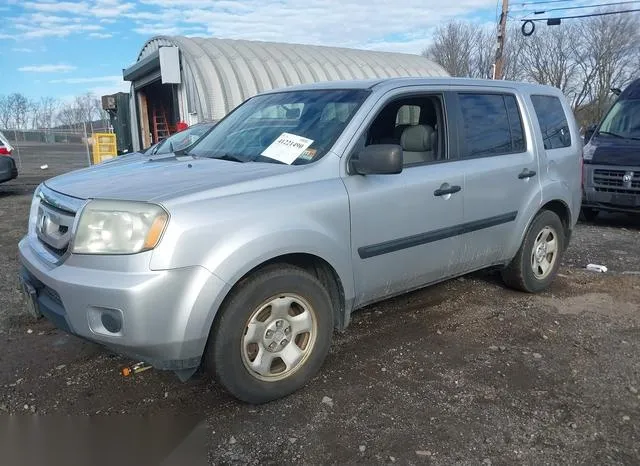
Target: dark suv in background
{"points": [[611, 173]]}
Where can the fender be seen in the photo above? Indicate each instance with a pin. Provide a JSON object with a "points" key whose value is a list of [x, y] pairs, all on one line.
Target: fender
{"points": [[552, 191]]}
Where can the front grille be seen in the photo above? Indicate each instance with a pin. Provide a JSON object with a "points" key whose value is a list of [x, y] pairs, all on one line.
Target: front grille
{"points": [[613, 181], [54, 221]]}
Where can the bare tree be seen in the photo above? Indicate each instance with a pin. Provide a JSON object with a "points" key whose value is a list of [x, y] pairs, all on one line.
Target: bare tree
{"points": [[46, 109], [607, 56], [452, 47], [5, 115]]}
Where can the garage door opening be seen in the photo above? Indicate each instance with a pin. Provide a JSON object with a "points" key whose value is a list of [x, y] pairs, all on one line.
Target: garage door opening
{"points": [[158, 112]]}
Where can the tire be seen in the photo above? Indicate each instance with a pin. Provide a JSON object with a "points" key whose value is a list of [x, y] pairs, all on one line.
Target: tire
{"points": [[524, 271], [264, 303], [588, 214]]}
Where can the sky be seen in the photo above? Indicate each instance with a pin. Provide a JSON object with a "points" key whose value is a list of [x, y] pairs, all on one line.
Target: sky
{"points": [[65, 48]]}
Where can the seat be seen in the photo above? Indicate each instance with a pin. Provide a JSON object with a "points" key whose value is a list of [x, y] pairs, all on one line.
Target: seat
{"points": [[417, 144]]}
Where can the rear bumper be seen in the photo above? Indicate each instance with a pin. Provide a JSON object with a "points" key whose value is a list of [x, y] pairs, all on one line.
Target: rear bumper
{"points": [[8, 169], [160, 317]]}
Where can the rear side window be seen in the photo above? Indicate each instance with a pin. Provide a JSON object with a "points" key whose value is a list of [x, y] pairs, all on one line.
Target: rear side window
{"points": [[552, 120], [492, 125]]}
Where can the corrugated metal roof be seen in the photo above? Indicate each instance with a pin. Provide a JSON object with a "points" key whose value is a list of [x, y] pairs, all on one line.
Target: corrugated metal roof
{"points": [[221, 73]]}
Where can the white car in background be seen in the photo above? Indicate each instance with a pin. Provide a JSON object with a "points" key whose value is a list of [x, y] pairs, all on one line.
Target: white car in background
{"points": [[8, 169]]}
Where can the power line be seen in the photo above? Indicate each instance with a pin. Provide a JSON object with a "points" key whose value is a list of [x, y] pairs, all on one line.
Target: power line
{"points": [[542, 3], [539, 12], [606, 13]]}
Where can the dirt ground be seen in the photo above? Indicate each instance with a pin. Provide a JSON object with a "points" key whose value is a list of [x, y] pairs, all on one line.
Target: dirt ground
{"points": [[466, 372]]}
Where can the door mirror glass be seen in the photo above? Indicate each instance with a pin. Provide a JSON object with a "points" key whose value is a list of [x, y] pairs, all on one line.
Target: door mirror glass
{"points": [[378, 159]]}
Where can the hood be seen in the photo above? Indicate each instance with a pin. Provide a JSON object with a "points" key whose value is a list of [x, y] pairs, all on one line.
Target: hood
{"points": [[161, 178], [615, 151]]}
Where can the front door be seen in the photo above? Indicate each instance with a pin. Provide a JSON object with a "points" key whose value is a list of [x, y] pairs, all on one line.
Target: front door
{"points": [[403, 226]]}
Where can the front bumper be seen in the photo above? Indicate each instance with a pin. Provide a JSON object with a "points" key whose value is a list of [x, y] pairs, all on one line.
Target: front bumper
{"points": [[605, 190], [160, 317]]}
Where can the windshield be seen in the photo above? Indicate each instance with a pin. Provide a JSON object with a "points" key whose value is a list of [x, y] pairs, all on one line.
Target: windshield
{"points": [[623, 120], [291, 127], [183, 139]]}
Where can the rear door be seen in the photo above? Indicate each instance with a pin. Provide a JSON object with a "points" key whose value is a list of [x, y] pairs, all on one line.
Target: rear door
{"points": [[501, 172]]}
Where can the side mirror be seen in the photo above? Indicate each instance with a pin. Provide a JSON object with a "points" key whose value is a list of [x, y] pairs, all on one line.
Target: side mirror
{"points": [[378, 159], [588, 133]]}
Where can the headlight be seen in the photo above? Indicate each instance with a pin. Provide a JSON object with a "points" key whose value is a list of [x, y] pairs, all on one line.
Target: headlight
{"points": [[119, 227], [588, 151], [33, 212]]}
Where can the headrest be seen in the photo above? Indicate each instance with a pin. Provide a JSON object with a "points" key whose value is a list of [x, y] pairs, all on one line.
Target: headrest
{"points": [[417, 138]]}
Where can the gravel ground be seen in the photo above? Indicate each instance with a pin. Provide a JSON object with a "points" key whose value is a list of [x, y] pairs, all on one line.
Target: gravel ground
{"points": [[465, 372]]}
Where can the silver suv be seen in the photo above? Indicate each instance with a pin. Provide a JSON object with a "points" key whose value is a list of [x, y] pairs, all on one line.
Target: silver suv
{"points": [[245, 252]]}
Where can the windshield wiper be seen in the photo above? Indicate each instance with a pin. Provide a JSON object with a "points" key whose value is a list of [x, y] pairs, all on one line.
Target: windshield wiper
{"points": [[611, 134], [229, 157]]}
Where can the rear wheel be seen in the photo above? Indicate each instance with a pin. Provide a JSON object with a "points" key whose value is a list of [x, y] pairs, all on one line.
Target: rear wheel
{"points": [[272, 335], [536, 264]]}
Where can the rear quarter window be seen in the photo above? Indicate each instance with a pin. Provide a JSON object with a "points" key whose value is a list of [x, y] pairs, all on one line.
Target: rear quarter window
{"points": [[552, 120]]}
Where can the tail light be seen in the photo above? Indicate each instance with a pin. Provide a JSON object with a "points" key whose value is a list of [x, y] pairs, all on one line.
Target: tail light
{"points": [[4, 151]]}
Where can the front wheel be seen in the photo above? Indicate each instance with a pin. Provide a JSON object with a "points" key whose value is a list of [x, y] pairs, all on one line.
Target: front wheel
{"points": [[272, 335], [535, 265]]}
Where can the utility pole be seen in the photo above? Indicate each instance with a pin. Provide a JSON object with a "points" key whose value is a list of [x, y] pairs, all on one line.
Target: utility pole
{"points": [[498, 69]]}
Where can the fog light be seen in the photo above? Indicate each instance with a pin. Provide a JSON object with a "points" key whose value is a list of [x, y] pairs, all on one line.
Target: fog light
{"points": [[105, 321], [111, 323]]}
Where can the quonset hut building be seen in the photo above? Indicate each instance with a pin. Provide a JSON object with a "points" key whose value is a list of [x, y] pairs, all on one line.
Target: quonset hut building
{"points": [[185, 79]]}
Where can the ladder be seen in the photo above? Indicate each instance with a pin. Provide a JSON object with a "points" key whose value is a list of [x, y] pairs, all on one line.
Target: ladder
{"points": [[161, 128]]}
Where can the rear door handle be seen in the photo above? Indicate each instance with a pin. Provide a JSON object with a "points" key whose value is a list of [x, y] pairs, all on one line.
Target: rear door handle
{"points": [[526, 173], [446, 189]]}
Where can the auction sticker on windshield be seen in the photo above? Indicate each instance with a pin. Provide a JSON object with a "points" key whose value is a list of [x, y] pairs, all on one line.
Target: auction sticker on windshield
{"points": [[287, 148]]}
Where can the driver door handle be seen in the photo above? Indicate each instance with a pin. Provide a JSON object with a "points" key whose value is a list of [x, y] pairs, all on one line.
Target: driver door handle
{"points": [[526, 173], [445, 189]]}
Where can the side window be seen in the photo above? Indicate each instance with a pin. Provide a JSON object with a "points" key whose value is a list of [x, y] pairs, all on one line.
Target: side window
{"points": [[414, 123], [552, 120], [492, 125]]}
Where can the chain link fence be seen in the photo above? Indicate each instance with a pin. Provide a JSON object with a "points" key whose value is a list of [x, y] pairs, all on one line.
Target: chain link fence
{"points": [[45, 153]]}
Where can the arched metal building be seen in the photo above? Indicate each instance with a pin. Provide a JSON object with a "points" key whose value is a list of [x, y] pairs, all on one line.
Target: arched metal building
{"points": [[194, 79]]}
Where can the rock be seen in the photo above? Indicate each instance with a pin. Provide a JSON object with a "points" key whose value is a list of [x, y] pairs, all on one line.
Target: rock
{"points": [[537, 356], [632, 389], [232, 440], [573, 425], [328, 401], [40, 334], [384, 369], [438, 332], [60, 367], [486, 461], [502, 348], [493, 348], [626, 418], [292, 440], [544, 337], [29, 331], [19, 381], [166, 394], [33, 408], [392, 459], [26, 407], [423, 453], [362, 448]]}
